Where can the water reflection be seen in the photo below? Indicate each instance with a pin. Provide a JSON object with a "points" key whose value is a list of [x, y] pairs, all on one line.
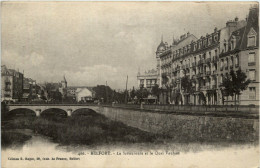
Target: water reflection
{"points": [[225, 155]]}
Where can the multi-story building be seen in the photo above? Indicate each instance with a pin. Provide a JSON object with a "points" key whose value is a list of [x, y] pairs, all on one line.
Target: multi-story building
{"points": [[11, 84], [29, 89], [165, 67], [241, 50], [148, 79], [207, 60]]}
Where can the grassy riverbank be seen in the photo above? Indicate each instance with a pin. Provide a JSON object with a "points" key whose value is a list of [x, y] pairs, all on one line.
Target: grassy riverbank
{"points": [[13, 138], [85, 129]]}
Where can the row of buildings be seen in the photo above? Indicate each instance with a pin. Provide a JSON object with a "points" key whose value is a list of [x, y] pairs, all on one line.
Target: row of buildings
{"points": [[17, 88], [207, 60]]}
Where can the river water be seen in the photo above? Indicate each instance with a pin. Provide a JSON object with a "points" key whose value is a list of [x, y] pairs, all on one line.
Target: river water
{"points": [[36, 152]]}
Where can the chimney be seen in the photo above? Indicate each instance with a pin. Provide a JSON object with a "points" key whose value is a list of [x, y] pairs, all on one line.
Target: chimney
{"points": [[231, 23], [215, 30], [236, 19]]}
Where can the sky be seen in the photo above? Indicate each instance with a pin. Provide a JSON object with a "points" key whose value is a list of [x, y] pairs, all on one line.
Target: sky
{"points": [[94, 42]]}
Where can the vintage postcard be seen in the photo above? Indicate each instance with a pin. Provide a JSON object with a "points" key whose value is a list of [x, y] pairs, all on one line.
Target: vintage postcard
{"points": [[129, 84]]}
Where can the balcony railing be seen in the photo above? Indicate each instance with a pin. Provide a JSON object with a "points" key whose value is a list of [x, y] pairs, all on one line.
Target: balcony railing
{"points": [[208, 60], [200, 62], [203, 88], [251, 96], [251, 63], [7, 89], [215, 59]]}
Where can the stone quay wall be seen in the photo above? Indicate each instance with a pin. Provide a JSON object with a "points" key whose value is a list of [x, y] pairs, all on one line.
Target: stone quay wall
{"points": [[186, 127]]}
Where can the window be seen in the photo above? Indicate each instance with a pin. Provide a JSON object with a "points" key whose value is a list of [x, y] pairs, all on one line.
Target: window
{"points": [[209, 41], [221, 64], [252, 93], [251, 41], [251, 38], [236, 61], [251, 59], [252, 75]]}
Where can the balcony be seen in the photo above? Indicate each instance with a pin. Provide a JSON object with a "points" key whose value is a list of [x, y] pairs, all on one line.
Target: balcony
{"points": [[214, 59], [208, 60], [251, 63], [203, 88], [194, 64], [201, 62], [252, 97], [7, 89], [7, 95]]}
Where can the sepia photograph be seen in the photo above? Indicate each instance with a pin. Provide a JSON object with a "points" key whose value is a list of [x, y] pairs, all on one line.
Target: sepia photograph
{"points": [[129, 84]]}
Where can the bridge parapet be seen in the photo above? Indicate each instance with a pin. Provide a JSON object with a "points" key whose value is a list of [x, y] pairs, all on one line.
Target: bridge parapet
{"points": [[38, 109]]}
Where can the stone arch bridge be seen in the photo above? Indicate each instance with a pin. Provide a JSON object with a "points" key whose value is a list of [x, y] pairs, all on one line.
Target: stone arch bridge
{"points": [[38, 109]]}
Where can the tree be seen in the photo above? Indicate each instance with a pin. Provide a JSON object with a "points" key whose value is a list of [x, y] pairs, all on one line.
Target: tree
{"points": [[132, 93], [142, 93], [235, 83], [156, 91], [103, 92], [186, 85]]}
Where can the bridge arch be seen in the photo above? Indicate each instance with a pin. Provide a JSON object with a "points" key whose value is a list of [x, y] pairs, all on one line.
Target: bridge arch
{"points": [[22, 112], [54, 111], [84, 111]]}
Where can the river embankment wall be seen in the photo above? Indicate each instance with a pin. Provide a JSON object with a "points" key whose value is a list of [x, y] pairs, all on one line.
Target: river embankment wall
{"points": [[187, 126]]}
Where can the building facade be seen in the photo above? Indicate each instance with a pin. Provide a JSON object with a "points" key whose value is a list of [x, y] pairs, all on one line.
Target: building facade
{"points": [[207, 60], [80, 93], [148, 79], [241, 50], [11, 84], [30, 91]]}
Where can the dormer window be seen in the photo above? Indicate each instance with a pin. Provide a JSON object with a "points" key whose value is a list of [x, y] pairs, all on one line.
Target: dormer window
{"points": [[251, 41], [205, 42], [251, 38], [199, 45], [225, 46], [209, 41], [216, 38], [195, 47]]}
